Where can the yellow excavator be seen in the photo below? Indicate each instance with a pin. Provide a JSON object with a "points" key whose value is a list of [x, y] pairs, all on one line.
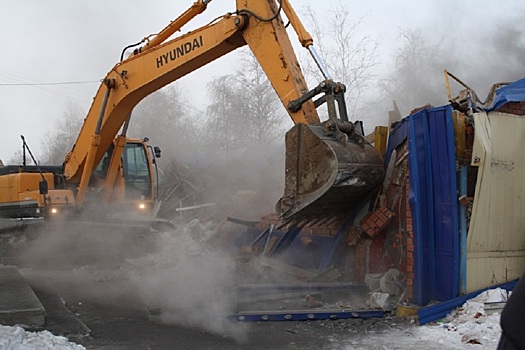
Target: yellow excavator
{"points": [[330, 168], [32, 191]]}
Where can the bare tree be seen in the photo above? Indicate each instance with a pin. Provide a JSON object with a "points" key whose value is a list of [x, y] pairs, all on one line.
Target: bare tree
{"points": [[265, 115], [349, 54], [15, 159], [59, 141], [165, 119], [162, 117], [224, 124], [416, 76], [245, 114]]}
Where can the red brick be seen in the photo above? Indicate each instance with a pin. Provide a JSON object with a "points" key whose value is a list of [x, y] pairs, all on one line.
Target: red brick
{"points": [[410, 281], [409, 228], [410, 241], [410, 268], [410, 255], [409, 220], [410, 248], [410, 291], [382, 216]]}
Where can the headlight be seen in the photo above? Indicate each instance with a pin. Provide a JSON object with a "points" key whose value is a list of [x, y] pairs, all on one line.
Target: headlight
{"points": [[142, 206], [54, 210]]}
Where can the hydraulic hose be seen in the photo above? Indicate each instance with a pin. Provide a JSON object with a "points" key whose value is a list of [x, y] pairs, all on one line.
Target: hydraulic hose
{"points": [[261, 18]]}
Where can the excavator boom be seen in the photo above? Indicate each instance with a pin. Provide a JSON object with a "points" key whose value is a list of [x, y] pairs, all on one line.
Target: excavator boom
{"points": [[319, 165]]}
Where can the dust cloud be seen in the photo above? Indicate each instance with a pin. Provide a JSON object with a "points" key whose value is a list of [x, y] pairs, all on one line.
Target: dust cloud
{"points": [[187, 283], [171, 274]]}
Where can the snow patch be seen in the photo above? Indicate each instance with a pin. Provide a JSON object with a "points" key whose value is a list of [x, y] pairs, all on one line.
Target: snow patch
{"points": [[470, 324], [16, 338]]}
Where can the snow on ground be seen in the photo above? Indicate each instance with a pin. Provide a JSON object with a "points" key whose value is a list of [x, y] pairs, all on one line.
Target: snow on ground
{"points": [[468, 327], [471, 324], [463, 332], [16, 338]]}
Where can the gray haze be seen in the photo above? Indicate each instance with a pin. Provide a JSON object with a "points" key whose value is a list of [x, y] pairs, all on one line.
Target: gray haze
{"points": [[65, 41]]}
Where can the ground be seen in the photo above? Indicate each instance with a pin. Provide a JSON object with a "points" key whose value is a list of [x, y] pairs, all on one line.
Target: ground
{"points": [[134, 289]]}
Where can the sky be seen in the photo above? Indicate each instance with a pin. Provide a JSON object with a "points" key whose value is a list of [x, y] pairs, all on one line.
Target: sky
{"points": [[64, 41]]}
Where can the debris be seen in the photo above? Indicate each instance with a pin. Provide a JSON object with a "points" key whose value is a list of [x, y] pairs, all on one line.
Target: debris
{"points": [[374, 222], [392, 282], [383, 301], [275, 264], [471, 338], [372, 281], [329, 275], [311, 302], [406, 311]]}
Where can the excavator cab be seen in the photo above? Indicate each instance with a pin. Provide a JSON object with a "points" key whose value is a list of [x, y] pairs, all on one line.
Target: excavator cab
{"points": [[134, 187], [137, 172]]}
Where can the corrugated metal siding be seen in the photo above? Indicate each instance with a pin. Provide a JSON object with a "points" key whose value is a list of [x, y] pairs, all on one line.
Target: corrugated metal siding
{"points": [[496, 237], [433, 202]]}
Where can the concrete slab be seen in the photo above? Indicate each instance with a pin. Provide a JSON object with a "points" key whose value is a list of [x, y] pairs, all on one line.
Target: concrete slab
{"points": [[59, 319], [18, 302]]}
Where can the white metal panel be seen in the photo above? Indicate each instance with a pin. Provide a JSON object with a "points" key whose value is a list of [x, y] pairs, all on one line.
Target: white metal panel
{"points": [[496, 237]]}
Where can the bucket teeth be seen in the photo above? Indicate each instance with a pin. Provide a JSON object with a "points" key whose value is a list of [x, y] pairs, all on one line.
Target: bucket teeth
{"points": [[314, 221]]}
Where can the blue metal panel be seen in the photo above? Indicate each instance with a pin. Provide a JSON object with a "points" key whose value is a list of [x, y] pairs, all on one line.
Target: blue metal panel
{"points": [[514, 92], [286, 240], [420, 178], [446, 224], [437, 311], [397, 136], [310, 258], [450, 198], [304, 315], [341, 234], [317, 257], [433, 201]]}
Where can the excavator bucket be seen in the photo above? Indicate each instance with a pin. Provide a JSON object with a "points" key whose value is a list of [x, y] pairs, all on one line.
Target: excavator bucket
{"points": [[326, 177]]}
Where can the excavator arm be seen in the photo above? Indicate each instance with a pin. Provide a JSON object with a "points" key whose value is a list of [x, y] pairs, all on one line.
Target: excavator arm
{"points": [[259, 25]]}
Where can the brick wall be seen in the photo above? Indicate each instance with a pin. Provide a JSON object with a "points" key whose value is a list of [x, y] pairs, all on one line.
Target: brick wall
{"points": [[517, 108], [409, 229]]}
